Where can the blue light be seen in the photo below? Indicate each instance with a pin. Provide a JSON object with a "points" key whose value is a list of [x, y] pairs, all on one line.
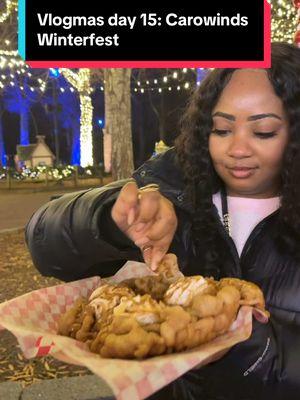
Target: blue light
{"points": [[75, 156], [201, 73], [3, 157], [54, 72], [100, 122]]}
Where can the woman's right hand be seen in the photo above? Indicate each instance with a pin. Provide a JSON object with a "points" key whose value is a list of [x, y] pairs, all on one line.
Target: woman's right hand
{"points": [[148, 219]]}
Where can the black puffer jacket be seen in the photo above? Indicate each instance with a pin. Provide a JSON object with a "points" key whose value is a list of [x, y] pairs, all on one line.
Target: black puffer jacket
{"points": [[74, 237]]}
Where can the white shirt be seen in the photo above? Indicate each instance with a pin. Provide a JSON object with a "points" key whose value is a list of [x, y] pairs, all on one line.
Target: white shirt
{"points": [[245, 214]]}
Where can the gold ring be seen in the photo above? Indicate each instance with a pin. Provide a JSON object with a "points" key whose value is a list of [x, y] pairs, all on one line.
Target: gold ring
{"points": [[152, 187], [146, 248]]}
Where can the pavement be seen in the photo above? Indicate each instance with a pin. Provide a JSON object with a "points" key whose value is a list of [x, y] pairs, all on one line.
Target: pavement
{"points": [[16, 207], [88, 387], [15, 210]]}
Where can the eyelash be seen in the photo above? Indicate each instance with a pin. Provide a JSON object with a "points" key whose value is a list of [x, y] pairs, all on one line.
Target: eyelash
{"points": [[261, 135]]}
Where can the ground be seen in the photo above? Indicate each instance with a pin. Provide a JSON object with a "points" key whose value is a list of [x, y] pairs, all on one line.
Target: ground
{"points": [[18, 276], [17, 206]]}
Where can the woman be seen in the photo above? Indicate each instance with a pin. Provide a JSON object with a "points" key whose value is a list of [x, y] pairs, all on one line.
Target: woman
{"points": [[228, 205]]}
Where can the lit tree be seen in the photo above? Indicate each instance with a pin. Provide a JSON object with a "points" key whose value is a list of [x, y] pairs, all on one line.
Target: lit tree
{"points": [[18, 99], [8, 35], [284, 20], [70, 119], [81, 81]]}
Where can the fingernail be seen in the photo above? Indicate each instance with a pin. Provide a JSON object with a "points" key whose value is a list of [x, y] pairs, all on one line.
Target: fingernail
{"points": [[130, 217], [153, 265]]}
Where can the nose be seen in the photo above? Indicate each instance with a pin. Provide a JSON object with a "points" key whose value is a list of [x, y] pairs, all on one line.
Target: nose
{"points": [[239, 146]]}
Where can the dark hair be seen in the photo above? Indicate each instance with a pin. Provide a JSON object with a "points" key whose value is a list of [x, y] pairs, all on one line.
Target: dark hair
{"points": [[200, 177]]}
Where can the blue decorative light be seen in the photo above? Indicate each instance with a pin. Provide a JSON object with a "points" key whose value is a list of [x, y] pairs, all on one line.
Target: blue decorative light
{"points": [[3, 157], [19, 101], [201, 73], [54, 72], [100, 122]]}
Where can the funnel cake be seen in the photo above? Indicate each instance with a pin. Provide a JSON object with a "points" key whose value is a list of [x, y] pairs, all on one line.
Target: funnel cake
{"points": [[156, 285], [158, 314]]}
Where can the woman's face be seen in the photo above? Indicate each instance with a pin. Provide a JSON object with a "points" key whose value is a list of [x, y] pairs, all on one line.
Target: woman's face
{"points": [[249, 135]]}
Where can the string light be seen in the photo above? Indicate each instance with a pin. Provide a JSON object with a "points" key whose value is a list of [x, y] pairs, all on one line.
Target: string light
{"points": [[86, 128], [37, 173], [284, 21], [165, 81], [10, 6]]}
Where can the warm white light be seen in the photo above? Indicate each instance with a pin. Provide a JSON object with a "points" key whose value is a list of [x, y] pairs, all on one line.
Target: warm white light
{"points": [[81, 82]]}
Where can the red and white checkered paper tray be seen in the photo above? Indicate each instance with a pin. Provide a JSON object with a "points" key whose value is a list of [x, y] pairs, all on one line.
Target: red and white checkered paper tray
{"points": [[33, 318]]}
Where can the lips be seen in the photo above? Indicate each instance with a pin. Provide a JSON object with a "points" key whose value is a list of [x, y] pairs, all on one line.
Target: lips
{"points": [[241, 172]]}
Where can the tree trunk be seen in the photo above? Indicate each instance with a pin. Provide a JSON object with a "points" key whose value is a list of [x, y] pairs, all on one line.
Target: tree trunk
{"points": [[117, 99]]}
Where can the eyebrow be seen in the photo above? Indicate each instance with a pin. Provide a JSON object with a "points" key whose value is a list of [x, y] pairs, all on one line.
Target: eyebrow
{"points": [[251, 118]]}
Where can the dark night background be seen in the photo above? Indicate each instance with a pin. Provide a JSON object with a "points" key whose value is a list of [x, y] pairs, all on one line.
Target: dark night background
{"points": [[147, 127], [151, 43]]}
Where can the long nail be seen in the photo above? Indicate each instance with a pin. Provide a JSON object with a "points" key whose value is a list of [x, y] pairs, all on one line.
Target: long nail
{"points": [[154, 264], [131, 216], [156, 259], [153, 267]]}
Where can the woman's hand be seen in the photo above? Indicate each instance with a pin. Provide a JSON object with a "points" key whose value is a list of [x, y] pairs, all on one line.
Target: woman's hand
{"points": [[148, 219]]}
